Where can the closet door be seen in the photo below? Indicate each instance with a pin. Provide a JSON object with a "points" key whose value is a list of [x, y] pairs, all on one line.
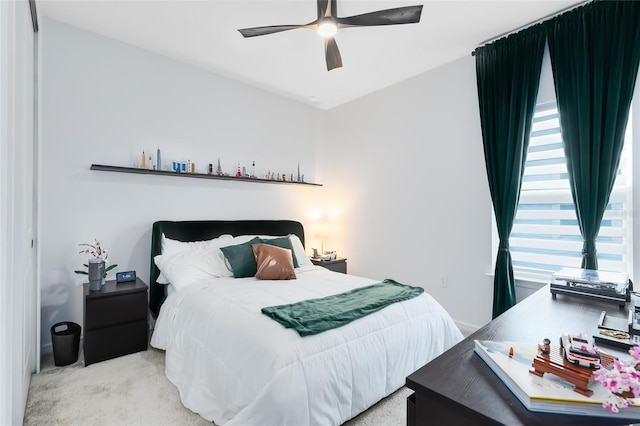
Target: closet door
{"points": [[18, 167]]}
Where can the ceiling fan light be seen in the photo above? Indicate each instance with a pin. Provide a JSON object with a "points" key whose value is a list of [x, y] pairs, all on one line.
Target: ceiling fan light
{"points": [[327, 29]]}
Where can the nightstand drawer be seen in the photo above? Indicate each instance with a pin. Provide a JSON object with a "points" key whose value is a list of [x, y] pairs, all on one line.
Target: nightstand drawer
{"points": [[111, 342], [116, 309], [336, 265]]}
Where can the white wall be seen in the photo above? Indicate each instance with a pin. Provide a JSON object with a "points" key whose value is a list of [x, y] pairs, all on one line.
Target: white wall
{"points": [[407, 190], [104, 102], [404, 192]]}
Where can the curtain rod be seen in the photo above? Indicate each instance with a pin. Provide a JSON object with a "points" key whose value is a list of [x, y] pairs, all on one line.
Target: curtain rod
{"points": [[530, 24]]}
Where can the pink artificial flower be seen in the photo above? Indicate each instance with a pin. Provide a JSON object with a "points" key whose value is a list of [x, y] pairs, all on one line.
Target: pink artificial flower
{"points": [[635, 352]]}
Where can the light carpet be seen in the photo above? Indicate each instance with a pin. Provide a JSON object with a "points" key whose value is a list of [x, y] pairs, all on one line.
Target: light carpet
{"points": [[133, 390]]}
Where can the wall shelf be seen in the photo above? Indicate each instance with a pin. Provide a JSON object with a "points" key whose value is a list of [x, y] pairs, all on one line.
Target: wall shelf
{"points": [[135, 170]]}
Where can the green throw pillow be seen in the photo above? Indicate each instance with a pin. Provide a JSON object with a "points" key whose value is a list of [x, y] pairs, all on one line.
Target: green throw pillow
{"points": [[282, 242], [241, 259]]}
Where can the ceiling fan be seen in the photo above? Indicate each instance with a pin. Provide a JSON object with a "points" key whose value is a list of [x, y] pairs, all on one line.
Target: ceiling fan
{"points": [[328, 23]]}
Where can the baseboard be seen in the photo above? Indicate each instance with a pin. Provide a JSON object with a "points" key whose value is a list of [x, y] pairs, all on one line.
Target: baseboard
{"points": [[47, 348], [467, 328]]}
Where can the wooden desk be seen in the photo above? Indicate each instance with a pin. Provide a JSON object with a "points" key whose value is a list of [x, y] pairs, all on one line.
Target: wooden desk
{"points": [[459, 388]]}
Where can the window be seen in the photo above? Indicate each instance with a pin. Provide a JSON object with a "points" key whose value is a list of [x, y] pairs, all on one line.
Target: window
{"points": [[545, 235]]}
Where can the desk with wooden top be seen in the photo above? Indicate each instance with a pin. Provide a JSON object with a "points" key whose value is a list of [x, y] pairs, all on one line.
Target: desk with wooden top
{"points": [[459, 388]]}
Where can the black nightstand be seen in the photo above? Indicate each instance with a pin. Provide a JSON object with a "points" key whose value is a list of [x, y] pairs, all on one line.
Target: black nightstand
{"points": [[115, 320], [337, 265]]}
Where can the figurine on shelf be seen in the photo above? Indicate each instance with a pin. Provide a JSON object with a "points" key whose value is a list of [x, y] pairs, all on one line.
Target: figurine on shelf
{"points": [[299, 180], [238, 172], [253, 169], [545, 347], [219, 170]]}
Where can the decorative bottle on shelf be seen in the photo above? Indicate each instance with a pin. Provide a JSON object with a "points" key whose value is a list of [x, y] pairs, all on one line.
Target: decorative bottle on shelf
{"points": [[253, 169], [143, 163], [189, 166], [150, 163], [219, 171], [158, 159], [238, 172]]}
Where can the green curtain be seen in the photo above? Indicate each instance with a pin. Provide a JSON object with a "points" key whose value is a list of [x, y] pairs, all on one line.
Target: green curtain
{"points": [[508, 76], [594, 51]]}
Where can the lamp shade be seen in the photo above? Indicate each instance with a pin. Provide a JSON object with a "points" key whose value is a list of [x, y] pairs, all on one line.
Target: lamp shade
{"points": [[322, 230]]}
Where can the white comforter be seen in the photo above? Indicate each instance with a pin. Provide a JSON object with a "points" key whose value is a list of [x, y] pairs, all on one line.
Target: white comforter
{"points": [[236, 366]]}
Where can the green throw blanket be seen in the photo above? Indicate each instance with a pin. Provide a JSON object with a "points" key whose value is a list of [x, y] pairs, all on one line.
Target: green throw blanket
{"points": [[314, 316]]}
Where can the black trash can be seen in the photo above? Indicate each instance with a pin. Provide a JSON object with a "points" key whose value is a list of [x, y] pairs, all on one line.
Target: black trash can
{"points": [[65, 337]]}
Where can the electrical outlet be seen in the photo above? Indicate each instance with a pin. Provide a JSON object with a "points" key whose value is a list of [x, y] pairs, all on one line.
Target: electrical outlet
{"points": [[444, 281]]}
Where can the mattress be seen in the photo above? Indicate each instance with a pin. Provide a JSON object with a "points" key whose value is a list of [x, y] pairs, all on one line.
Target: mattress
{"points": [[235, 366]]}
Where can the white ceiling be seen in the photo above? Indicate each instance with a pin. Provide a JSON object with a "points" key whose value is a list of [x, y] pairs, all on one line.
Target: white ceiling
{"points": [[291, 63]]}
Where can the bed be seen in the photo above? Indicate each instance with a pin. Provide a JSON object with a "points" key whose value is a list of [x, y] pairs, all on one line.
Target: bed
{"points": [[235, 366]]}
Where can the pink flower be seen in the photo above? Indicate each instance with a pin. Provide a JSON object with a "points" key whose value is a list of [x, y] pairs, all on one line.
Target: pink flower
{"points": [[96, 250], [635, 352], [620, 377]]}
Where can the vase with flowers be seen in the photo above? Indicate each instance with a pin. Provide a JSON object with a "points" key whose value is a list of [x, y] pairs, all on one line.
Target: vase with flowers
{"points": [[96, 265], [622, 379]]}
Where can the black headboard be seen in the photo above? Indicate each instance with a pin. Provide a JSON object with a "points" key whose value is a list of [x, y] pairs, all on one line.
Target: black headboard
{"points": [[198, 230]]}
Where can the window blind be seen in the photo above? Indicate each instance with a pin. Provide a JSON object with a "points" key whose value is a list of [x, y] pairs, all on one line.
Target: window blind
{"points": [[545, 235]]}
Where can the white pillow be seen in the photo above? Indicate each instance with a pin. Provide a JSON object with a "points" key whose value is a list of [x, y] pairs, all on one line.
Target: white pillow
{"points": [[188, 266], [170, 247], [240, 239], [298, 249]]}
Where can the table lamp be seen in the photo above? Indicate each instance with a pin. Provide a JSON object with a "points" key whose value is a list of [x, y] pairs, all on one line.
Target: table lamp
{"points": [[322, 232]]}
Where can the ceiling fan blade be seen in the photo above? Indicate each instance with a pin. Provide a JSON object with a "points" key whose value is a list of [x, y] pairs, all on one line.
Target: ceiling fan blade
{"points": [[332, 54], [322, 8], [399, 15], [258, 31]]}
